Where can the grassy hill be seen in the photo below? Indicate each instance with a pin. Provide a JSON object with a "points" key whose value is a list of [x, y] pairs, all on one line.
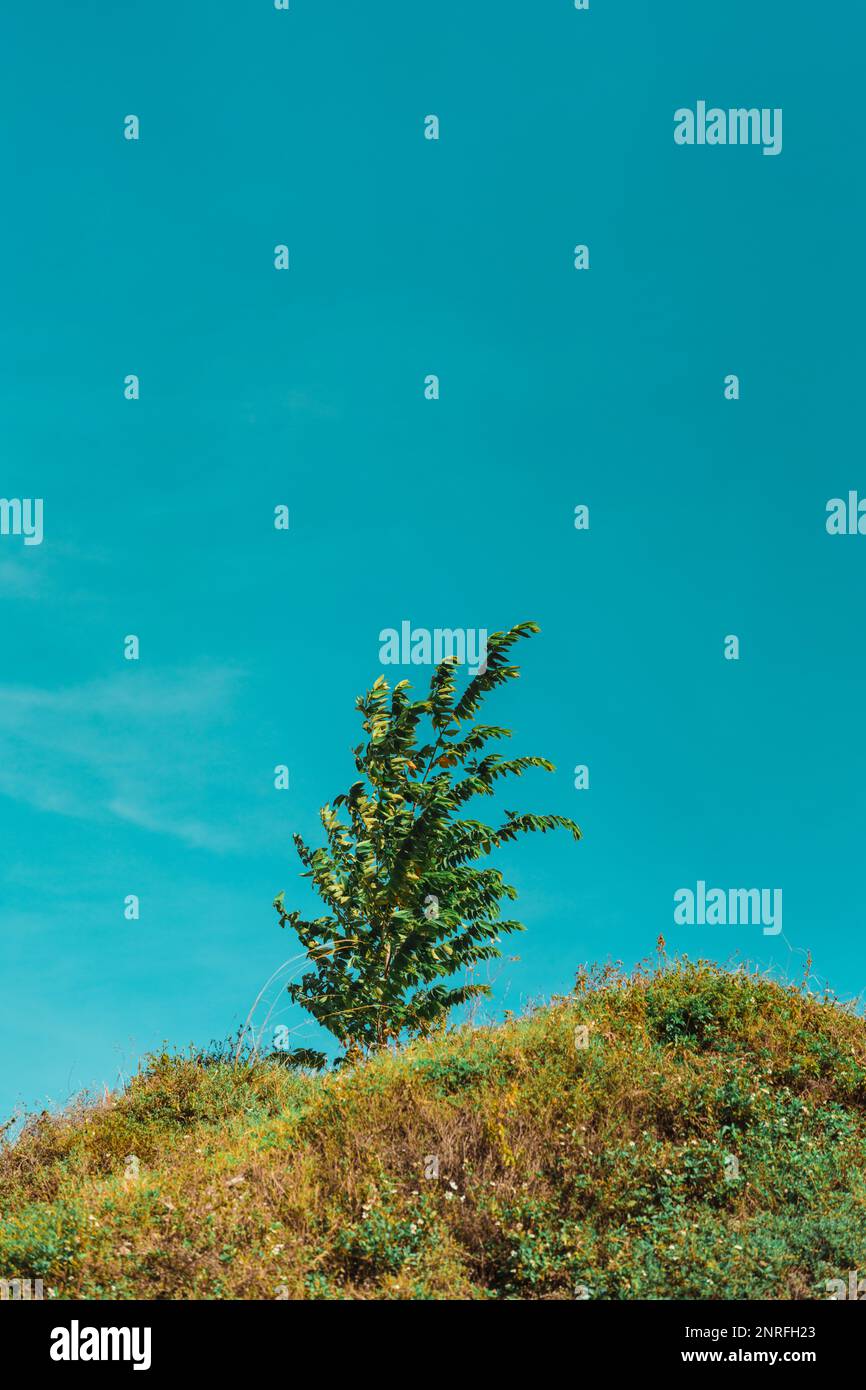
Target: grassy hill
{"points": [[709, 1142]]}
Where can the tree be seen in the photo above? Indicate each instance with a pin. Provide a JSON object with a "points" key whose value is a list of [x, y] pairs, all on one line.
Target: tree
{"points": [[408, 904]]}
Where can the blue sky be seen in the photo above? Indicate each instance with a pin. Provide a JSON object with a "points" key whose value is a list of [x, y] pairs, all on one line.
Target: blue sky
{"points": [[305, 387]]}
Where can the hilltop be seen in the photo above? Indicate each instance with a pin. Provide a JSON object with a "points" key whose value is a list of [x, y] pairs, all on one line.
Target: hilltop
{"points": [[682, 1132]]}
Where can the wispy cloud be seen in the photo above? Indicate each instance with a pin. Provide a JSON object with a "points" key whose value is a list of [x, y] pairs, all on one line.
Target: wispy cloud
{"points": [[19, 579], [127, 748]]}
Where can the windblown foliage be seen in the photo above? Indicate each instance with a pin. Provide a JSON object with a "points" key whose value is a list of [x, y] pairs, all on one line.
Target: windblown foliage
{"points": [[408, 904]]}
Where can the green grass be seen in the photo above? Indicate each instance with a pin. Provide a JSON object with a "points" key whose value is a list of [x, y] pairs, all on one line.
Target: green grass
{"points": [[709, 1142]]}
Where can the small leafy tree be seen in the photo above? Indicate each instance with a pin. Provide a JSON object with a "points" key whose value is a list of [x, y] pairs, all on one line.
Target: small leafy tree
{"points": [[408, 906]]}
